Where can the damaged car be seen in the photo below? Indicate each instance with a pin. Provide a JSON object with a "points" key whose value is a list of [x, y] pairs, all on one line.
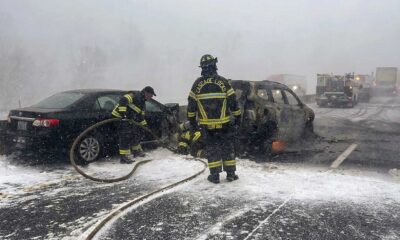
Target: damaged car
{"points": [[271, 112], [52, 125]]}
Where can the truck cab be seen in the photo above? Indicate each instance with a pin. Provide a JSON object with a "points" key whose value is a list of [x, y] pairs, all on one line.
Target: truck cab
{"points": [[337, 90]]}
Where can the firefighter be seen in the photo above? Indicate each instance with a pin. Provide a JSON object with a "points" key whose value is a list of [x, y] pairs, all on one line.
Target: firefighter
{"points": [[211, 102], [190, 142], [131, 107]]}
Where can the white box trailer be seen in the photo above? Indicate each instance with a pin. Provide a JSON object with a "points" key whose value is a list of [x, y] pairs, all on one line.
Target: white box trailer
{"points": [[385, 81]]}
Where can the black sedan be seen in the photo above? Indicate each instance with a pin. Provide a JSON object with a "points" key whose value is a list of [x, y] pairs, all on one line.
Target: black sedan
{"points": [[54, 123]]}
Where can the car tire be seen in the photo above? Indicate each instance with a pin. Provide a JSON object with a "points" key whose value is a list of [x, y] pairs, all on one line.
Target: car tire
{"points": [[89, 149]]}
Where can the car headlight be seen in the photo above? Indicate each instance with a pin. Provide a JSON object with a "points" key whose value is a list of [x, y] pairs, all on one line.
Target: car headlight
{"points": [[294, 88]]}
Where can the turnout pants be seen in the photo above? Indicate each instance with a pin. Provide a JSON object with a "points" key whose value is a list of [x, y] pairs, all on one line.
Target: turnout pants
{"points": [[129, 138], [220, 151]]}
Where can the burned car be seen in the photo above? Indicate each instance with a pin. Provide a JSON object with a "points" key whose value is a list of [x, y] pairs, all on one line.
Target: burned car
{"points": [[271, 111], [54, 123]]}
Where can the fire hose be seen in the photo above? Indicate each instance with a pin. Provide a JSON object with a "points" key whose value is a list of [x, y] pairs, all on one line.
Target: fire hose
{"points": [[139, 163], [138, 200]]}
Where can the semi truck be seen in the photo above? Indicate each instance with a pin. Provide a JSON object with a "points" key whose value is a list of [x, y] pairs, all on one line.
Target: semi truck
{"points": [[297, 83], [337, 90], [385, 81]]}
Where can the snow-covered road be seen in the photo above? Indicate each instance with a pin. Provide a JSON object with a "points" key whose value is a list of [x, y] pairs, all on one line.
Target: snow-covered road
{"points": [[205, 211], [263, 190], [379, 109], [292, 196]]}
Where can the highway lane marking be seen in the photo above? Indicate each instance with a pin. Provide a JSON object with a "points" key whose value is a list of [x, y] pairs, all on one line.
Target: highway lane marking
{"points": [[343, 156]]}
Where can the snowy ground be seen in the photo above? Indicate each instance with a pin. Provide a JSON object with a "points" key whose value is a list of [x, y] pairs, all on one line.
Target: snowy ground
{"points": [[263, 190], [292, 196], [379, 109]]}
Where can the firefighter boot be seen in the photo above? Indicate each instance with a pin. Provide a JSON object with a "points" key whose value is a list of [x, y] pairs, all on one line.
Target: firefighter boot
{"points": [[138, 154], [214, 178], [126, 158], [231, 176], [137, 151]]}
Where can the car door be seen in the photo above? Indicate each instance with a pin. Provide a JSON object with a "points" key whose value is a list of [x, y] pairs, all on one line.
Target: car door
{"points": [[96, 108], [298, 119], [93, 109], [103, 107], [105, 104], [283, 114]]}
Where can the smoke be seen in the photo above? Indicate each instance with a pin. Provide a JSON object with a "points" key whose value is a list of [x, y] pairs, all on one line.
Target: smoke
{"points": [[59, 45]]}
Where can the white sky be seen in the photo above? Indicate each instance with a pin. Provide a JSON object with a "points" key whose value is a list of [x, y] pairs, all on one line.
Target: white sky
{"points": [[159, 43]]}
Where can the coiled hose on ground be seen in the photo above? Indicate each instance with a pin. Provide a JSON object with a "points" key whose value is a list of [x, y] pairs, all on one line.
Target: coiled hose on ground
{"points": [[107, 121]]}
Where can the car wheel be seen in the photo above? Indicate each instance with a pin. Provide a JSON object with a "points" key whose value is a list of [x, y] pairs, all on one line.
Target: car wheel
{"points": [[89, 149]]}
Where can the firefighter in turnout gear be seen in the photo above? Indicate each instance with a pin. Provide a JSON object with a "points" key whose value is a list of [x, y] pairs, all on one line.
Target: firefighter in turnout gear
{"points": [[131, 107], [211, 102], [190, 142]]}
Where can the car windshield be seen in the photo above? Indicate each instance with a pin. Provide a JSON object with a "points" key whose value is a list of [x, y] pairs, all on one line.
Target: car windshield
{"points": [[335, 85], [60, 100]]}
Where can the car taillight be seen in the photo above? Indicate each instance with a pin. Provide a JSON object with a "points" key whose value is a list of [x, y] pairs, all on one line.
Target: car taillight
{"points": [[47, 123]]}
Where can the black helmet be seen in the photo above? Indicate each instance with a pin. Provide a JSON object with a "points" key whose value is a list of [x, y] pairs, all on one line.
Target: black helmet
{"points": [[207, 60], [149, 90]]}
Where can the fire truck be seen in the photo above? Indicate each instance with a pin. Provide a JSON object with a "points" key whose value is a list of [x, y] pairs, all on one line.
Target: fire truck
{"points": [[337, 90]]}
